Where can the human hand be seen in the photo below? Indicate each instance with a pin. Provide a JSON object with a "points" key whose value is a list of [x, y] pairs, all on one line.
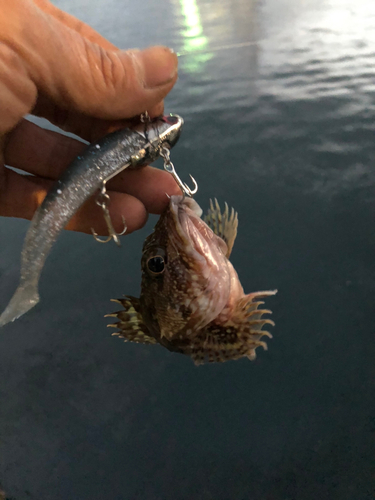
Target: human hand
{"points": [[56, 67]]}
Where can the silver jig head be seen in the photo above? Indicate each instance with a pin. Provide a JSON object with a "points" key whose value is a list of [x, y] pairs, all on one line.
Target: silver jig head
{"points": [[103, 200], [169, 167]]}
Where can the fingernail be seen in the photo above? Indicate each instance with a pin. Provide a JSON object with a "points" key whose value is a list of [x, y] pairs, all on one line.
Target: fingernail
{"points": [[158, 66]]}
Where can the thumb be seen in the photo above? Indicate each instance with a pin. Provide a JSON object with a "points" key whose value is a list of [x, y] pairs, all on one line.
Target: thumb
{"points": [[81, 75]]}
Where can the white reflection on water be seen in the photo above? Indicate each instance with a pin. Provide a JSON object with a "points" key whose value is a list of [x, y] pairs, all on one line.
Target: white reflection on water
{"points": [[195, 43], [317, 71], [302, 84]]}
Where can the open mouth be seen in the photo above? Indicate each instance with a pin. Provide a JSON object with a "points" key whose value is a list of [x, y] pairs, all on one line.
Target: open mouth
{"points": [[202, 253], [185, 225], [192, 236]]}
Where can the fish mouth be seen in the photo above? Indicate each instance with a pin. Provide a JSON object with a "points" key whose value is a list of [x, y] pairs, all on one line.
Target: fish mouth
{"points": [[186, 226], [203, 253], [191, 234], [185, 203]]}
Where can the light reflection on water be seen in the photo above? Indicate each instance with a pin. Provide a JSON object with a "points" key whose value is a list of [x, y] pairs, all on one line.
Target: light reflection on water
{"points": [[305, 67], [279, 109]]}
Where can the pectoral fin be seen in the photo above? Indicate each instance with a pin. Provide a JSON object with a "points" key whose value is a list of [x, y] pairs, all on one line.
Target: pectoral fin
{"points": [[236, 338], [130, 323], [224, 224]]}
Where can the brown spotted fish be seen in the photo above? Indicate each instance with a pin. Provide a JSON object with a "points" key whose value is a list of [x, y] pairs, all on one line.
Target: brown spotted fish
{"points": [[191, 300]]}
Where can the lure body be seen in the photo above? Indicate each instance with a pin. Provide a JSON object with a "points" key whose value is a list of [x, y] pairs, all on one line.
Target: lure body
{"points": [[85, 175]]}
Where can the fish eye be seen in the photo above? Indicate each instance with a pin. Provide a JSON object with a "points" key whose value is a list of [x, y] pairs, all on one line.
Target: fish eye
{"points": [[156, 264]]}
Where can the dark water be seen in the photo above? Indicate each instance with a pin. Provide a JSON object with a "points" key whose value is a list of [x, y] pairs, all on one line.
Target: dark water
{"points": [[281, 126]]}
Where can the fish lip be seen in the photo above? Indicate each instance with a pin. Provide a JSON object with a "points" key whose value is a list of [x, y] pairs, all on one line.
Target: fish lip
{"points": [[175, 206], [177, 200], [177, 210], [178, 232]]}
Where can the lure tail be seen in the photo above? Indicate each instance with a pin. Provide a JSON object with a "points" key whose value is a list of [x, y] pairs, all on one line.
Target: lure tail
{"points": [[25, 298]]}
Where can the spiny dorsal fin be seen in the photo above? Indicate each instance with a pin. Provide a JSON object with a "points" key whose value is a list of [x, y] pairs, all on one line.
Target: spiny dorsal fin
{"points": [[130, 323], [224, 224], [236, 338]]}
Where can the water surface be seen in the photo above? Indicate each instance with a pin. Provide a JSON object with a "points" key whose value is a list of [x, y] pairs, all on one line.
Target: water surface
{"points": [[278, 98]]}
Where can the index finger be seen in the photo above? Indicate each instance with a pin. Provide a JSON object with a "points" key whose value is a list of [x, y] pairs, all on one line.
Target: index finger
{"points": [[46, 154]]}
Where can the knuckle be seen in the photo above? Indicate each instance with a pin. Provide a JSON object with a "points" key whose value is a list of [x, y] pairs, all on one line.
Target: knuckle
{"points": [[17, 89], [111, 72], [9, 56]]}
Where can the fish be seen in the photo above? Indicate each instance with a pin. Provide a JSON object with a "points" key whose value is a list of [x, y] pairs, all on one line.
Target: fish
{"points": [[192, 301], [100, 161]]}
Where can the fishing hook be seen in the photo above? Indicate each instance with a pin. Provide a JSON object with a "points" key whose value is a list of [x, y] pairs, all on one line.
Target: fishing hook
{"points": [[169, 167], [102, 201], [145, 119]]}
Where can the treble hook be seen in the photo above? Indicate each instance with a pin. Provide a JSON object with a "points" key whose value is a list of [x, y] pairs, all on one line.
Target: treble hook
{"points": [[102, 201], [169, 167]]}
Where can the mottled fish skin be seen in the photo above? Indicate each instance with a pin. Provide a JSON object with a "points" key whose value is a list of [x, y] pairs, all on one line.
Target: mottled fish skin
{"points": [[99, 162], [191, 300]]}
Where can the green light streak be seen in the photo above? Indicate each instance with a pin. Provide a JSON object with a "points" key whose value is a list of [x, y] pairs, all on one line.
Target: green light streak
{"points": [[194, 39]]}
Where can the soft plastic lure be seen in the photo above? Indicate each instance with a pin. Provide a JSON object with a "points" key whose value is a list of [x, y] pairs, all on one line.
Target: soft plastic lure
{"points": [[86, 174]]}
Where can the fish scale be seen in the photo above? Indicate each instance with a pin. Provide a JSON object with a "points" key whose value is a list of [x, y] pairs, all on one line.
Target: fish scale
{"points": [[209, 319]]}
